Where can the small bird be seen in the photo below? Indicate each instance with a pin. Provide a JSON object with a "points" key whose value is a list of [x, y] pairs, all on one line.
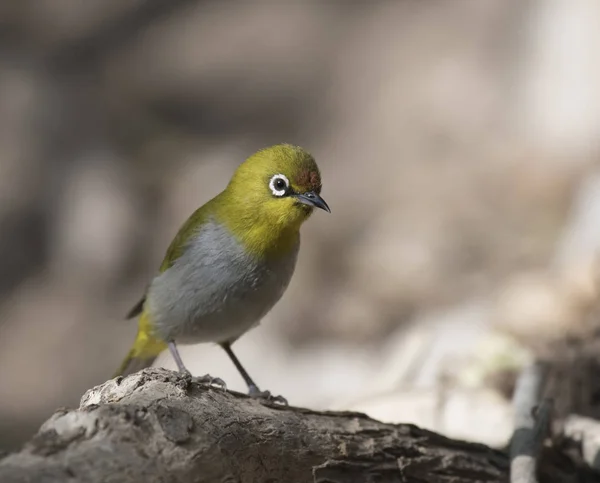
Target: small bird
{"points": [[230, 262]]}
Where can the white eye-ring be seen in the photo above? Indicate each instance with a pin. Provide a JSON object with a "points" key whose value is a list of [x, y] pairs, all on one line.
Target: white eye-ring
{"points": [[279, 184]]}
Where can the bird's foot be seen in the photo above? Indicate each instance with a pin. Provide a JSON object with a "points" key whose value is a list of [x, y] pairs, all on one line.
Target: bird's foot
{"points": [[256, 393], [208, 380]]}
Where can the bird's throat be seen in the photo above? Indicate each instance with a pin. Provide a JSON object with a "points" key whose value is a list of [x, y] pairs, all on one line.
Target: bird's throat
{"points": [[262, 238], [266, 229], [267, 241]]}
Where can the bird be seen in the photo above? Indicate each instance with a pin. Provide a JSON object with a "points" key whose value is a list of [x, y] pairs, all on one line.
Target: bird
{"points": [[229, 263]]}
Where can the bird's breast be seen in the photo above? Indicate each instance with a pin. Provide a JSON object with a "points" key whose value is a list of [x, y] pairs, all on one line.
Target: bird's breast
{"points": [[216, 290]]}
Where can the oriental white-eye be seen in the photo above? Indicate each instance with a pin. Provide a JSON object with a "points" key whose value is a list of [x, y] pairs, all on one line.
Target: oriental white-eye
{"points": [[230, 262]]}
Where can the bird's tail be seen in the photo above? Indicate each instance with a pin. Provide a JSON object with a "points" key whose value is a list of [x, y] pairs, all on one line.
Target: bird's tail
{"points": [[132, 364], [144, 351]]}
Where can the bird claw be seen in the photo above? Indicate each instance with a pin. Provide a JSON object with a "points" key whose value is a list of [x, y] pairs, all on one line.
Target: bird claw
{"points": [[208, 380], [256, 393]]}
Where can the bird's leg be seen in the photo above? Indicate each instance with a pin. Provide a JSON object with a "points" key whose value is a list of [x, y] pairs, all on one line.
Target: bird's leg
{"points": [[253, 389], [177, 357], [206, 379]]}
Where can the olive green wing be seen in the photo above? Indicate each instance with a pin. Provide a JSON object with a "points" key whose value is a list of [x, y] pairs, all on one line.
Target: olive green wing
{"points": [[179, 244], [175, 250]]}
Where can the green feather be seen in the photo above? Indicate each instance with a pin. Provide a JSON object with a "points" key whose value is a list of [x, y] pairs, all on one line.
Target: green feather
{"points": [[185, 233]]}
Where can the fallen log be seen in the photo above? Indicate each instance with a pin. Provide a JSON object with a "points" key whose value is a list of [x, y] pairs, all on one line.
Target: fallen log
{"points": [[159, 426]]}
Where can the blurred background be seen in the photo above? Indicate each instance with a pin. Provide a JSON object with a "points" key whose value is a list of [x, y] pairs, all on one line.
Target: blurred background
{"points": [[458, 143]]}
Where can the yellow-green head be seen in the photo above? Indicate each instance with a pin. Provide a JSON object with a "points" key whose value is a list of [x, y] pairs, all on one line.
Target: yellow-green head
{"points": [[269, 197]]}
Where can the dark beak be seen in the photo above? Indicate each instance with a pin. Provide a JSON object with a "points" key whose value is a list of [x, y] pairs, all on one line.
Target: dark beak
{"points": [[311, 198]]}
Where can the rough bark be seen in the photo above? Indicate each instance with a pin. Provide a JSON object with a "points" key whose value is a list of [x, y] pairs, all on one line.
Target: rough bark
{"points": [[158, 426]]}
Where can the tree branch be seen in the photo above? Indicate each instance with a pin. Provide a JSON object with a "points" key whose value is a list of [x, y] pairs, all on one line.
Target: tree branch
{"points": [[530, 429], [157, 426]]}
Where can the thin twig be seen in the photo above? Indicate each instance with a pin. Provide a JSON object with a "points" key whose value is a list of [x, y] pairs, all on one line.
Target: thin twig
{"points": [[531, 422]]}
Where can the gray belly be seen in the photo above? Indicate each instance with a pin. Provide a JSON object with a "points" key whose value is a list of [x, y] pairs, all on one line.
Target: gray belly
{"points": [[215, 292]]}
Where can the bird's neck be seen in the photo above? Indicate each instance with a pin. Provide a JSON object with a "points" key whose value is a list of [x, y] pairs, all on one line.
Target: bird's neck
{"points": [[262, 235], [267, 242]]}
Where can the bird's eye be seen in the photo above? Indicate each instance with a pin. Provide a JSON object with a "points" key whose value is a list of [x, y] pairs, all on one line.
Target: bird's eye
{"points": [[279, 185]]}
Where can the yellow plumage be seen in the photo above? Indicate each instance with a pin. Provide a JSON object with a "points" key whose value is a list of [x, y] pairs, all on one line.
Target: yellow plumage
{"points": [[145, 349]]}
